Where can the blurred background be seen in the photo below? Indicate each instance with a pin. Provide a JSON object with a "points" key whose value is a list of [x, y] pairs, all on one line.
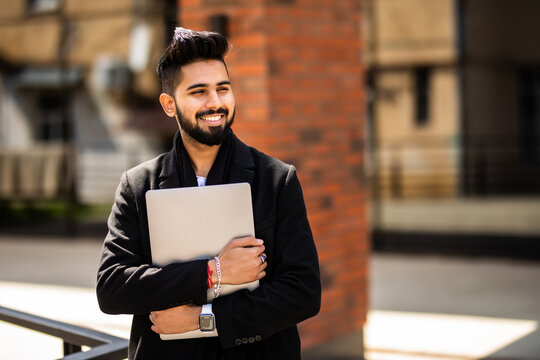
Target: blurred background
{"points": [[414, 126]]}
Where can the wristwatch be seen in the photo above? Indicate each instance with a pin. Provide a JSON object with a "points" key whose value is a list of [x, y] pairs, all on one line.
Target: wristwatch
{"points": [[206, 319]]}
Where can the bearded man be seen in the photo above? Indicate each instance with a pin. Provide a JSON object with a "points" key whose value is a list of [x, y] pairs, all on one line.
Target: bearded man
{"points": [[258, 324]]}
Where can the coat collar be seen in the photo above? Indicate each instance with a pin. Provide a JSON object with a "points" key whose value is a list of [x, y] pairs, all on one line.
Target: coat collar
{"points": [[242, 165]]}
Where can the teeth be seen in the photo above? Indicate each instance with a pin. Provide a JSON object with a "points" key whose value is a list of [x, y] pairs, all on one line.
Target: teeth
{"points": [[212, 118]]}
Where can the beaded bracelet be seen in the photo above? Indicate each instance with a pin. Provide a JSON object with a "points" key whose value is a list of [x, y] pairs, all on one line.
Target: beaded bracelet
{"points": [[217, 287]]}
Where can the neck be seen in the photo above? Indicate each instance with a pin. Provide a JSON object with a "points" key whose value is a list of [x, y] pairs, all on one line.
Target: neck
{"points": [[202, 156]]}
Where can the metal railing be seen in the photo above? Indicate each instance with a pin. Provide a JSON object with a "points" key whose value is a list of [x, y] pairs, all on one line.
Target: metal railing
{"points": [[438, 167], [103, 346]]}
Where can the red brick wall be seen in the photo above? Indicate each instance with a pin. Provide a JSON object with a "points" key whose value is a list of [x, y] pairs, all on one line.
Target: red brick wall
{"points": [[297, 77]]}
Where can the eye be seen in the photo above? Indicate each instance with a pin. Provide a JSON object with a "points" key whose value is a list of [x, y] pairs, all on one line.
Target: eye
{"points": [[197, 92], [223, 89]]}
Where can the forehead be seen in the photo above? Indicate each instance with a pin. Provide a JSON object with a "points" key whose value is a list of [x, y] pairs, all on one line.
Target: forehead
{"points": [[208, 72]]}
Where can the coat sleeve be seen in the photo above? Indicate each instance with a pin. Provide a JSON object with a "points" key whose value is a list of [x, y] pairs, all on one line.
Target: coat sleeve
{"points": [[129, 284], [292, 293]]}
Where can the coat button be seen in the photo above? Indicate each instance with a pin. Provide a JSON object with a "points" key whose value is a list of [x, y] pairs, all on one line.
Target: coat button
{"points": [[244, 341], [258, 338], [238, 342], [251, 339]]}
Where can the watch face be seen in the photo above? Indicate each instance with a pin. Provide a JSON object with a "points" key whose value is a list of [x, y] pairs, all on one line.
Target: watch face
{"points": [[206, 322]]}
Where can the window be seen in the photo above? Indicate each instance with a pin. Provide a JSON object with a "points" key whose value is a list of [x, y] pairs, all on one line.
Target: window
{"points": [[41, 6], [51, 124], [422, 75], [529, 113]]}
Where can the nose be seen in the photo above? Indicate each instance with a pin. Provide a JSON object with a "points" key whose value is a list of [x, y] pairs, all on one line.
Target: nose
{"points": [[214, 100]]}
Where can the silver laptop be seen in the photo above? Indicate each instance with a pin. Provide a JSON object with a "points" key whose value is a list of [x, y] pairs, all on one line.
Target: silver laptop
{"points": [[196, 223]]}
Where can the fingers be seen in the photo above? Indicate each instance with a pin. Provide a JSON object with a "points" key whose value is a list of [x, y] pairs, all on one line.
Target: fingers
{"points": [[262, 265], [248, 246], [242, 260], [154, 327], [246, 241]]}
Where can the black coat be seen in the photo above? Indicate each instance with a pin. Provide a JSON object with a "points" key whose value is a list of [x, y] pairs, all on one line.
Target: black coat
{"points": [[251, 325]]}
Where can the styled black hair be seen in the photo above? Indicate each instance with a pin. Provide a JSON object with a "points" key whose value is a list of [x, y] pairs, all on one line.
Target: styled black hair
{"points": [[188, 46]]}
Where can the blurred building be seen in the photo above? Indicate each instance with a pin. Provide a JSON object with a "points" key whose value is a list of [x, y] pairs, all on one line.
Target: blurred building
{"points": [[454, 111], [78, 90]]}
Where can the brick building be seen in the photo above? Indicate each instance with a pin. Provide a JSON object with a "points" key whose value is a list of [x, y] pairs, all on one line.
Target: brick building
{"points": [[298, 81]]}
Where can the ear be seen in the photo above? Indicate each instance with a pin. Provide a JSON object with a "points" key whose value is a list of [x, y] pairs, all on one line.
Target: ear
{"points": [[168, 104]]}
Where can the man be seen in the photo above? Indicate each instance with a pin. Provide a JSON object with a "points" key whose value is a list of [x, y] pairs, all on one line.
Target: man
{"points": [[260, 324]]}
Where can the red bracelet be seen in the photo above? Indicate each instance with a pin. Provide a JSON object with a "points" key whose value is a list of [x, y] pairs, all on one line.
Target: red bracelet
{"points": [[209, 273]]}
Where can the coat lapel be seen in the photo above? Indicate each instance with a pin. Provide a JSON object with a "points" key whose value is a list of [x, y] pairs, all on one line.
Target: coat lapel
{"points": [[242, 164], [169, 177]]}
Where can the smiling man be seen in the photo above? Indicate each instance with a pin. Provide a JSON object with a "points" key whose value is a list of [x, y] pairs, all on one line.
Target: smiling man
{"points": [[258, 324]]}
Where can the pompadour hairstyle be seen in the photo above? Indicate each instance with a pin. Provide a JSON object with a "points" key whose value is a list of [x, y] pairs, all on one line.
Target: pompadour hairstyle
{"points": [[188, 46]]}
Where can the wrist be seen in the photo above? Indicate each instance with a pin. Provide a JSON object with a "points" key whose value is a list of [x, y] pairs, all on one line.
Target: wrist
{"points": [[197, 313], [213, 272]]}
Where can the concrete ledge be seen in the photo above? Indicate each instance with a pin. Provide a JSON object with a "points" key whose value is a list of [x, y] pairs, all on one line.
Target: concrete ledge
{"points": [[506, 216]]}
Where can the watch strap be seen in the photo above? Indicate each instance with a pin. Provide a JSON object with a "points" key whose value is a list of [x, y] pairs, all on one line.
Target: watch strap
{"points": [[207, 309]]}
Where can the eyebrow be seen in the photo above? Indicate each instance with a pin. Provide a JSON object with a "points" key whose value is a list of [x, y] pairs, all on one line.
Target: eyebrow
{"points": [[194, 86]]}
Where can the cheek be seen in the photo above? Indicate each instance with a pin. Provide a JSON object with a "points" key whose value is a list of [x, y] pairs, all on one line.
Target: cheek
{"points": [[192, 107], [229, 100]]}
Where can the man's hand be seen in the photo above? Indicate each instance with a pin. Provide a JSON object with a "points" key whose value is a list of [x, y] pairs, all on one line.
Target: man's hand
{"points": [[240, 261], [176, 320]]}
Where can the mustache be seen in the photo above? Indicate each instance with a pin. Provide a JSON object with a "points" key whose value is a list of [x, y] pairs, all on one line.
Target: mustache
{"points": [[212, 112]]}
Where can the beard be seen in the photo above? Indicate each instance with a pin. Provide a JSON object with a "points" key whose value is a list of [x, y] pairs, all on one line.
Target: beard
{"points": [[215, 135]]}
